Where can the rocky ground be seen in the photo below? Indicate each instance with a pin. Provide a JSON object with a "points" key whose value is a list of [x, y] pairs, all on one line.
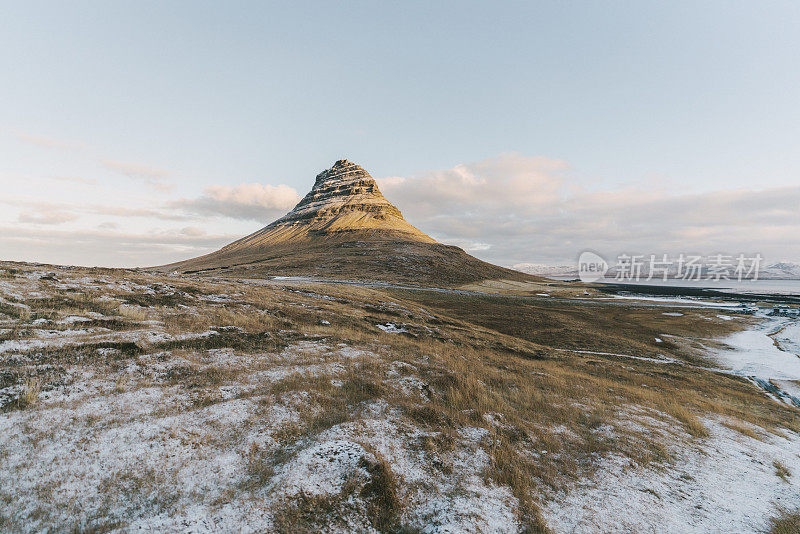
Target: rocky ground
{"points": [[134, 401]]}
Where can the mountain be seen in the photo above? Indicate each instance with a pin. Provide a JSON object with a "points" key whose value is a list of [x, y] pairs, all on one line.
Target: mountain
{"points": [[781, 270], [541, 269], [345, 228]]}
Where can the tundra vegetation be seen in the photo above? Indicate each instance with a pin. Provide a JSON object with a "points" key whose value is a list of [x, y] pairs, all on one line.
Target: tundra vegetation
{"points": [[135, 399]]}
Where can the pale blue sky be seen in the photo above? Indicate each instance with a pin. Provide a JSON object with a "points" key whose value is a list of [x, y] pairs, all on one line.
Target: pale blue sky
{"points": [[678, 97]]}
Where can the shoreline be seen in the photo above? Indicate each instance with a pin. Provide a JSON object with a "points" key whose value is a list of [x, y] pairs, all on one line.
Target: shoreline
{"points": [[755, 354], [685, 291]]}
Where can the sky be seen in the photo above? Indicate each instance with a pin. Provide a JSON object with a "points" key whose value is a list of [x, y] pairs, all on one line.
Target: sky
{"points": [[139, 133]]}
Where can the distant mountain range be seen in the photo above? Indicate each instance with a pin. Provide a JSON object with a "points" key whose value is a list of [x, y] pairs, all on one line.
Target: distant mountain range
{"points": [[783, 270], [540, 269]]}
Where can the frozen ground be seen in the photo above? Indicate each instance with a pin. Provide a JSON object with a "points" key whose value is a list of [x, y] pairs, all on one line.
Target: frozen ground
{"points": [[144, 415], [689, 302], [754, 352], [787, 337], [724, 484], [768, 353], [156, 459], [205, 439]]}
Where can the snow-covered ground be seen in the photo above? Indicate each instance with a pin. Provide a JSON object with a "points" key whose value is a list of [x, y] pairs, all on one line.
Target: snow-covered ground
{"points": [[753, 352], [152, 459], [787, 337], [217, 439], [769, 354], [724, 483], [688, 301]]}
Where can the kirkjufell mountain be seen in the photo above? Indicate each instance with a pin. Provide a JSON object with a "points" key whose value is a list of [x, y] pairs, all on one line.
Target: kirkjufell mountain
{"points": [[344, 202], [345, 228]]}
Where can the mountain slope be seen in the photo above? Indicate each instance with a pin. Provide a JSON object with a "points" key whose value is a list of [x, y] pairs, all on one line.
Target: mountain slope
{"points": [[345, 228], [344, 202], [782, 270]]}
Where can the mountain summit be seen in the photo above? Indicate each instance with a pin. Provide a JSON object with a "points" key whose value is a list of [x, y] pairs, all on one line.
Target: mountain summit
{"points": [[345, 202], [345, 228]]}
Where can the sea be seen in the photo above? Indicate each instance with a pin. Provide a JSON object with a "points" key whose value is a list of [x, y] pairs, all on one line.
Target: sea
{"points": [[766, 286]]}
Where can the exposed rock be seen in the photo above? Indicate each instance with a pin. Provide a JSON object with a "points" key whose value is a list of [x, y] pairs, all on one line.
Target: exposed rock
{"points": [[345, 201]]}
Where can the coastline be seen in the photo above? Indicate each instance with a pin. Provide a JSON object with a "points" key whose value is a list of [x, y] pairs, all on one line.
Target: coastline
{"points": [[766, 353]]}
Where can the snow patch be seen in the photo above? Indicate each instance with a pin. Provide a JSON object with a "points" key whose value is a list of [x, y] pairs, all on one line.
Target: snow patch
{"points": [[725, 484], [323, 469], [392, 328]]}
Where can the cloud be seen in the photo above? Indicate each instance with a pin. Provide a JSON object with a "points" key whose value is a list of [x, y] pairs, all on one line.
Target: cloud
{"points": [[45, 213], [514, 209], [193, 231], [105, 247], [152, 176], [255, 202], [507, 209], [54, 217], [468, 245], [49, 142], [74, 179], [164, 213]]}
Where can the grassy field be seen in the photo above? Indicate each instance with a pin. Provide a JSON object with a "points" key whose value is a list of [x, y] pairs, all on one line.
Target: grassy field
{"points": [[461, 398]]}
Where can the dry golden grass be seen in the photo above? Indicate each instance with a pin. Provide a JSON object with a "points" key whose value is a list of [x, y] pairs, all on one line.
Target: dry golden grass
{"points": [[260, 466], [497, 363], [533, 287], [119, 383], [531, 396], [785, 523], [690, 421], [250, 321], [315, 513], [29, 397], [745, 430], [382, 493], [781, 470], [132, 313]]}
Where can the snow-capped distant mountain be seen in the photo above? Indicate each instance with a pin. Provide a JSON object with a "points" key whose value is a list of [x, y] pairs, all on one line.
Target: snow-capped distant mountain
{"points": [[541, 269], [782, 269]]}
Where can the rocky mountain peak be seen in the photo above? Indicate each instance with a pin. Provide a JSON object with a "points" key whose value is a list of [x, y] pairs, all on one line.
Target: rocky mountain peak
{"points": [[344, 187], [342, 172], [345, 228], [344, 202]]}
